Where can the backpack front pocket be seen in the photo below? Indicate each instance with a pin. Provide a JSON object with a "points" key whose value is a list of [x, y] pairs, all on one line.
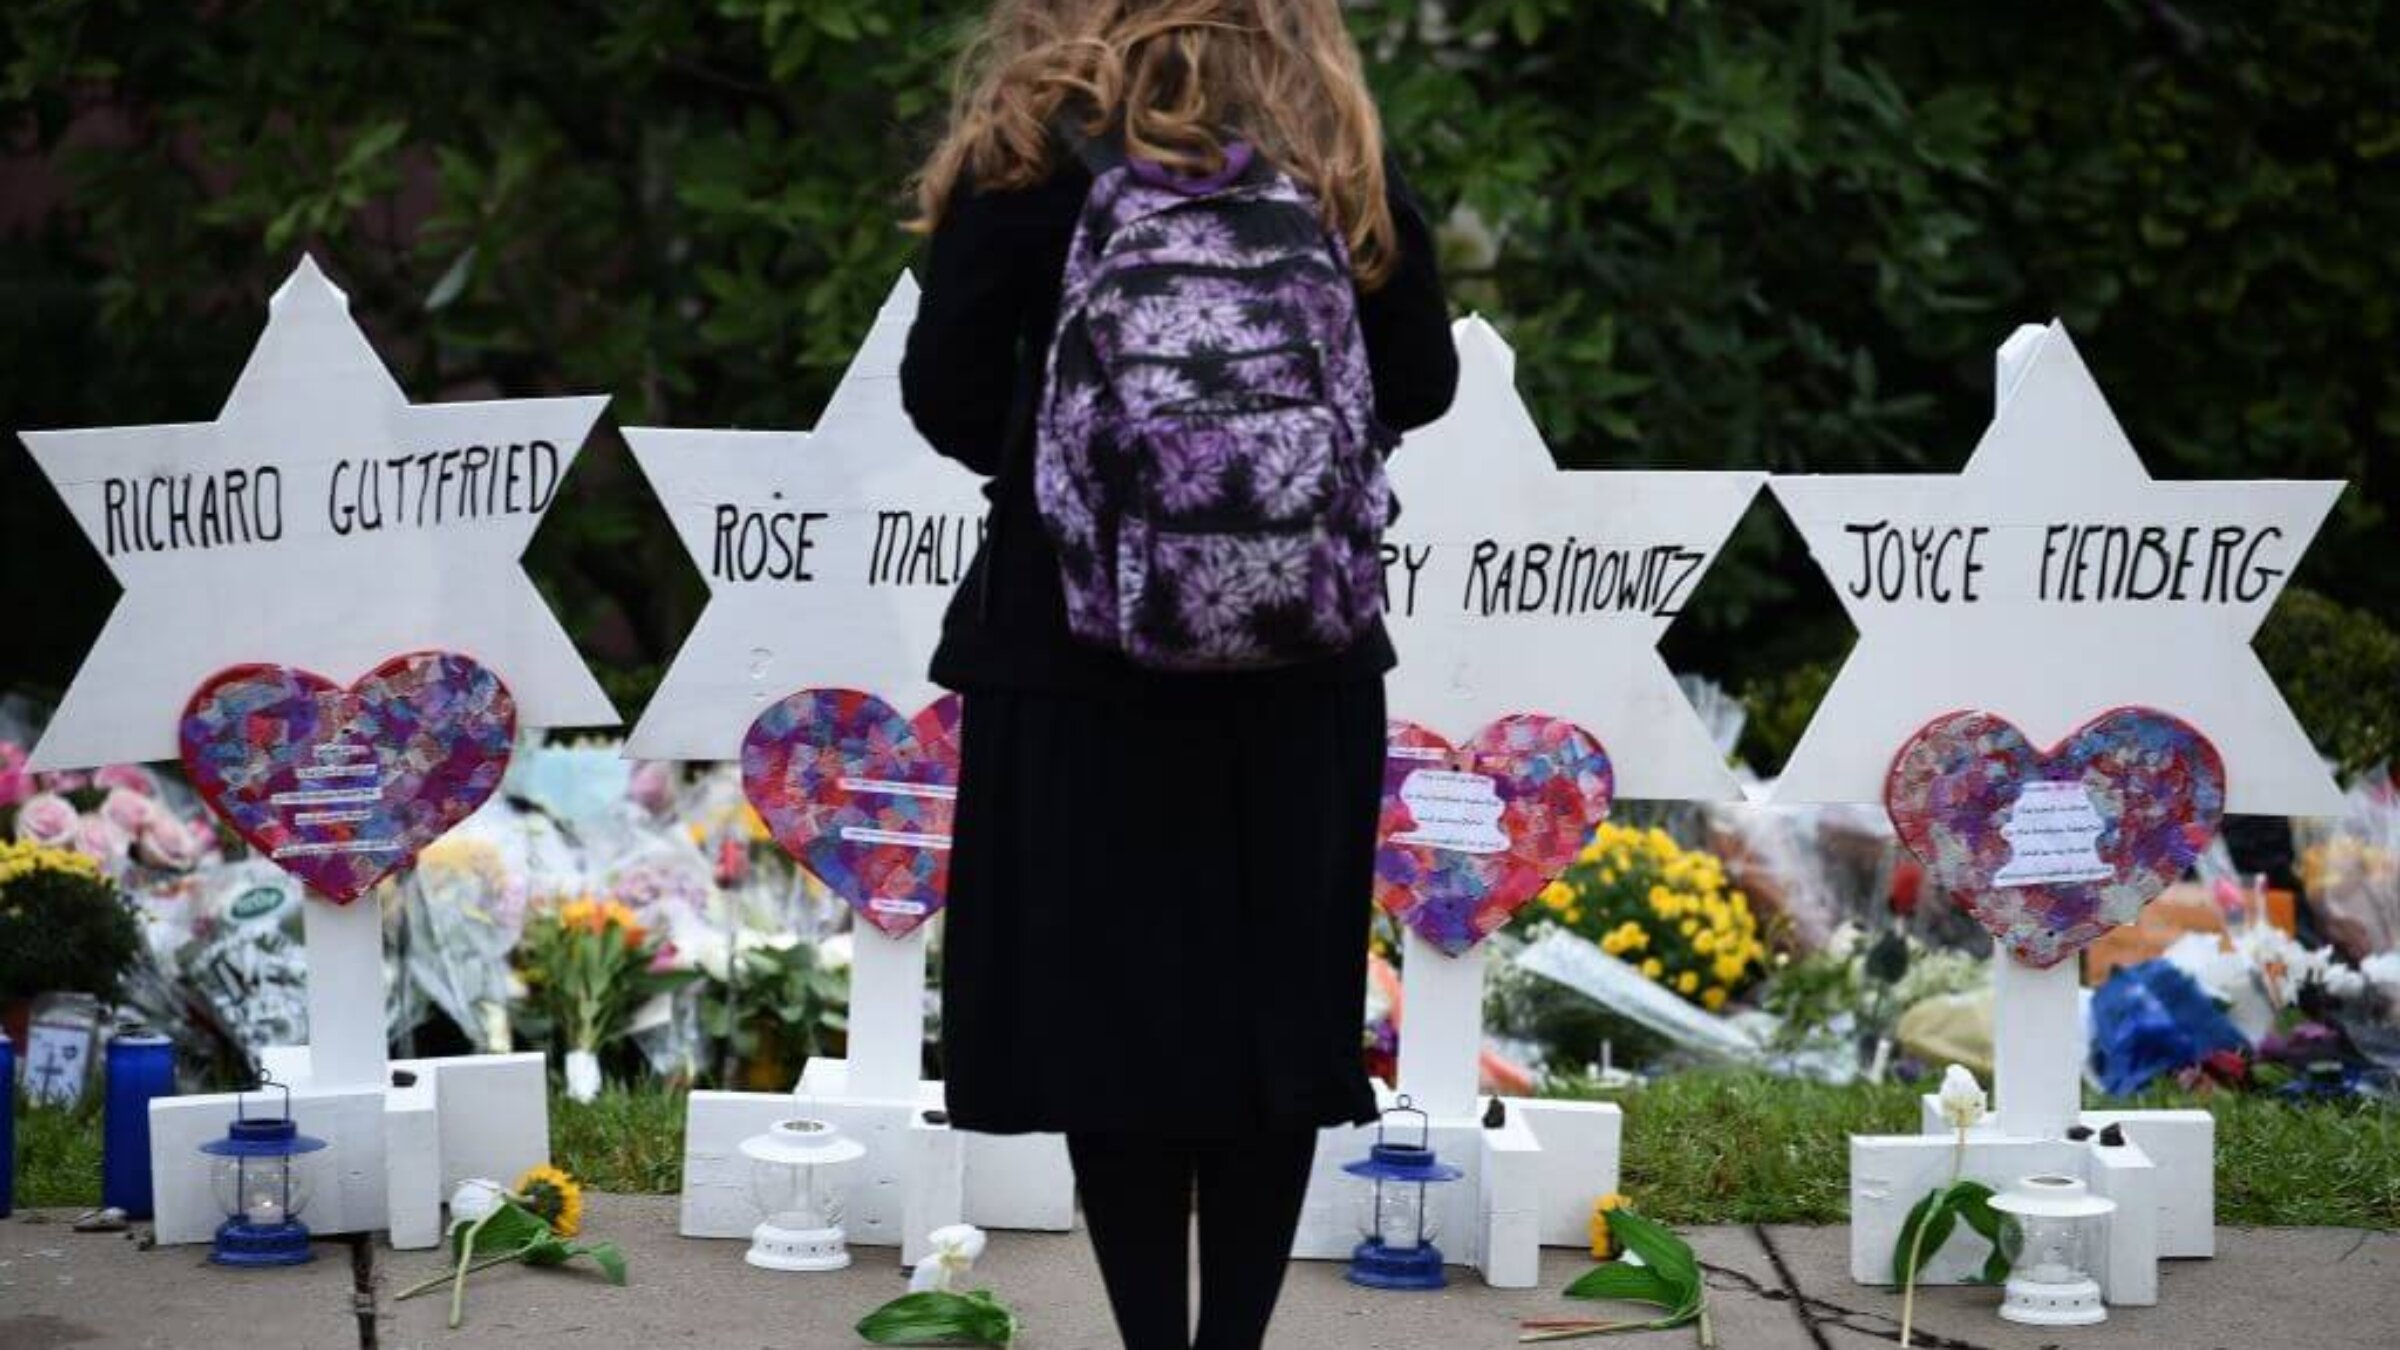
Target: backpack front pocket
{"points": [[1254, 470]]}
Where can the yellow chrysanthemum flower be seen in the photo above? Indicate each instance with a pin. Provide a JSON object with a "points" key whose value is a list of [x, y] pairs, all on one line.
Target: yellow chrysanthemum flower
{"points": [[1687, 983], [1713, 999], [1653, 968]]}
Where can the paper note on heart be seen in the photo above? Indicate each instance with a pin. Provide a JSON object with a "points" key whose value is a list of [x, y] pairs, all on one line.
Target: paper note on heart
{"points": [[860, 796], [342, 787], [2051, 849], [1469, 834]]}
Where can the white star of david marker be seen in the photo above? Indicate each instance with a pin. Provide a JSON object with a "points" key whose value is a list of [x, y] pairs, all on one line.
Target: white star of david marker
{"points": [[2052, 580], [320, 521], [830, 554], [1516, 586]]}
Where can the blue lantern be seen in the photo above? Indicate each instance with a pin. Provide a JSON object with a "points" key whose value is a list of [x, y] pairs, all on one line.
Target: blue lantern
{"points": [[262, 1175], [1393, 1214]]}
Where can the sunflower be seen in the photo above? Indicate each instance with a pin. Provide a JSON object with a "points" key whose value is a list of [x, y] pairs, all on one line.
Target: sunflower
{"points": [[553, 1195]]}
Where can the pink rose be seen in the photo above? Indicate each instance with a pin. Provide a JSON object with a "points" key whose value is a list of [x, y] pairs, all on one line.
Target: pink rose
{"points": [[48, 819], [15, 784], [129, 777], [168, 843], [62, 781], [103, 840], [652, 785], [129, 811]]}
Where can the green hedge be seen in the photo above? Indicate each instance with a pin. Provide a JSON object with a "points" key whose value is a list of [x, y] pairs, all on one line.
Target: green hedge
{"points": [[1785, 233]]}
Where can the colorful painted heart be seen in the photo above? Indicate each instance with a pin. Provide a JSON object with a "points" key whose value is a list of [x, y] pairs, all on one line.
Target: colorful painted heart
{"points": [[1469, 834], [342, 787], [2050, 849], [860, 796]]}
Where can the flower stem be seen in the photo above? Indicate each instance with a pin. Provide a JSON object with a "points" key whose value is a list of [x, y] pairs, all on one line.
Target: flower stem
{"points": [[428, 1286], [1916, 1243], [466, 1253]]}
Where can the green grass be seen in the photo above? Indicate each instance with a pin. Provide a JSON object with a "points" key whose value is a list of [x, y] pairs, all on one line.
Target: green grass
{"points": [[1700, 1148], [1731, 1147], [58, 1156], [628, 1141]]}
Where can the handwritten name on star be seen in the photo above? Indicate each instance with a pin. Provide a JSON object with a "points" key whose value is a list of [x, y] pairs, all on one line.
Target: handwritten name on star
{"points": [[171, 512], [2066, 563], [882, 546]]}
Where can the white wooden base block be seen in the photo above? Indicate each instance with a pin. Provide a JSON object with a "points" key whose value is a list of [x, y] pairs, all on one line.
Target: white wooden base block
{"points": [[1013, 1181], [465, 1116], [910, 1182], [350, 1173], [2182, 1145], [1889, 1174], [1581, 1145], [1544, 1166]]}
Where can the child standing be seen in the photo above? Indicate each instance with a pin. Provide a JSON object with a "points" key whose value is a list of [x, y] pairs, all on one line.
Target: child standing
{"points": [[1161, 877]]}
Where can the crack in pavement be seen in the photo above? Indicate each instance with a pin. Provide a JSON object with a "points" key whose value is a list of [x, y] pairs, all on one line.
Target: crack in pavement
{"points": [[1816, 1313]]}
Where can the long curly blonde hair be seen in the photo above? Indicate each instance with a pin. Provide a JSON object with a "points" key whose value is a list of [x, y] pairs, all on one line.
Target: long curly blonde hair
{"points": [[1178, 78]]}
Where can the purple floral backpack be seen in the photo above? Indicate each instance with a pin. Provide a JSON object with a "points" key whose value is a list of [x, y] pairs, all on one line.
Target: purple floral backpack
{"points": [[1207, 458]]}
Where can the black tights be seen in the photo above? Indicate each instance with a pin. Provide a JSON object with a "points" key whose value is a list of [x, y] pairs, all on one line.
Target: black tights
{"points": [[1138, 1195]]}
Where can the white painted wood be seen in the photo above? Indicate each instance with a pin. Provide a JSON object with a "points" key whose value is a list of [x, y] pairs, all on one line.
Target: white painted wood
{"points": [[314, 401], [1889, 1174], [1022, 1182], [2183, 1147], [1482, 473], [351, 1172], [344, 945], [2037, 1047], [412, 1165], [764, 638], [495, 1115], [1508, 1183], [1441, 1021], [1581, 1146], [2127, 1265], [716, 1178], [887, 1013], [2055, 456], [910, 1182]]}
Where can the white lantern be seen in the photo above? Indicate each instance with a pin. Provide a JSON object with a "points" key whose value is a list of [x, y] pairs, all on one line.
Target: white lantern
{"points": [[2056, 1231], [802, 1227]]}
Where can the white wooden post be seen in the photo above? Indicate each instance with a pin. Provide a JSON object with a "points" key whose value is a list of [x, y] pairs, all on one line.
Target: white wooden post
{"points": [[346, 1046], [1441, 1026], [2037, 1021], [2037, 1048], [887, 1013]]}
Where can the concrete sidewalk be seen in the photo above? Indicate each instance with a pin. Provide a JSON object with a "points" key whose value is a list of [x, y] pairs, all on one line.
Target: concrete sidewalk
{"points": [[1770, 1289]]}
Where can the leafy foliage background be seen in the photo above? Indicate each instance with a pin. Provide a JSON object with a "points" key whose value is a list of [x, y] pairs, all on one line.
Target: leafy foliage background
{"points": [[1783, 233]]}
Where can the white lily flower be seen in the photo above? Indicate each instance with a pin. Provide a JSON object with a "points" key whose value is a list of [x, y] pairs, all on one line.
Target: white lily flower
{"points": [[1962, 1098], [955, 1247]]}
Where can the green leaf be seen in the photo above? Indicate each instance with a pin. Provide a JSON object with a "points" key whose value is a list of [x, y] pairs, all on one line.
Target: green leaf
{"points": [[1633, 1284], [510, 1228], [936, 1318], [1933, 1214], [1662, 1252]]}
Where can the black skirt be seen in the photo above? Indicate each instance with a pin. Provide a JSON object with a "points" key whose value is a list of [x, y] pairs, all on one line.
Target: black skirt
{"points": [[1158, 910]]}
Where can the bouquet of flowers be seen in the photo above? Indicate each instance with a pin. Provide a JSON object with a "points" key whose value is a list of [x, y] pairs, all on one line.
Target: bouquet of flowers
{"points": [[1666, 909], [120, 816], [588, 964], [2350, 868], [64, 926]]}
